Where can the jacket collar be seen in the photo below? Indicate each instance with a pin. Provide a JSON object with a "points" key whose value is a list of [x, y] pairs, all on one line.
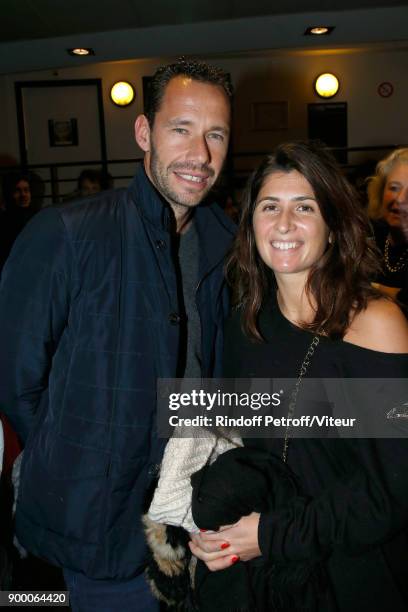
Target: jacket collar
{"points": [[148, 200], [215, 233], [215, 230]]}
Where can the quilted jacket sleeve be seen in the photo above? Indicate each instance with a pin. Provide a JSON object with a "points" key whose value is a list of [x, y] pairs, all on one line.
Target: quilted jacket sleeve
{"points": [[34, 306]]}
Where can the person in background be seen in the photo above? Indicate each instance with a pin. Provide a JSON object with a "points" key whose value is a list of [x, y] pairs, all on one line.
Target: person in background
{"points": [[386, 190], [93, 181], [19, 209], [336, 540], [17, 191], [90, 182], [98, 299]]}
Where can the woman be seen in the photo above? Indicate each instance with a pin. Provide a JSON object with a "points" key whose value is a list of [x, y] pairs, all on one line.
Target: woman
{"points": [[301, 273], [19, 208], [387, 190]]}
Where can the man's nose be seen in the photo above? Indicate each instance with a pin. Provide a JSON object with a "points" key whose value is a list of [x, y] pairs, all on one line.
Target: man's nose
{"points": [[199, 150]]}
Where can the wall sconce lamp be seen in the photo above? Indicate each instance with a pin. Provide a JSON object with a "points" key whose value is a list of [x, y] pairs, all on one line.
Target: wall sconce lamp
{"points": [[326, 85], [122, 93]]}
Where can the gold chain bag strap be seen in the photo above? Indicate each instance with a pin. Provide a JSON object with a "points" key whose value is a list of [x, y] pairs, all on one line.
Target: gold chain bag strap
{"points": [[295, 392]]}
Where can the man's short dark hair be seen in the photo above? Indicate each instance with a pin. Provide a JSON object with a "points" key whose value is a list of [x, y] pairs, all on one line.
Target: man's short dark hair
{"points": [[197, 71]]}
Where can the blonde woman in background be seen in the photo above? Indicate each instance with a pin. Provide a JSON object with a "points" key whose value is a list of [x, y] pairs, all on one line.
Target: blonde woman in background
{"points": [[387, 190]]}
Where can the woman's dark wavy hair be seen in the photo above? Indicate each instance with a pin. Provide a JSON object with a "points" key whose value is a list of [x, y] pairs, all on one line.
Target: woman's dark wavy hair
{"points": [[340, 281]]}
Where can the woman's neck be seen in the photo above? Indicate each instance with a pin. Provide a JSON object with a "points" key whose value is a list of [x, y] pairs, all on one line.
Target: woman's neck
{"points": [[293, 300]]}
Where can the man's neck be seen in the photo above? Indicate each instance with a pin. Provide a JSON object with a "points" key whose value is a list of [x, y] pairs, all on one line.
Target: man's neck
{"points": [[183, 217]]}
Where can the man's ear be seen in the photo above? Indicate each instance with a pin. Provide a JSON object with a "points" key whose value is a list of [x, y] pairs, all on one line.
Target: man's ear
{"points": [[142, 133]]}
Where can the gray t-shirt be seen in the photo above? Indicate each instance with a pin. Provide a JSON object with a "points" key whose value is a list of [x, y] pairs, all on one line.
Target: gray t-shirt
{"points": [[190, 346]]}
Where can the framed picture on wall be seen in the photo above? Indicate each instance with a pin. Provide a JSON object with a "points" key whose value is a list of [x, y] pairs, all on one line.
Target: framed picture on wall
{"points": [[48, 134], [63, 133], [51, 136]]}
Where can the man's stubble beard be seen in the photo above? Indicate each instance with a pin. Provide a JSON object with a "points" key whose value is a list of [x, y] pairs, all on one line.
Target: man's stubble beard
{"points": [[160, 178]]}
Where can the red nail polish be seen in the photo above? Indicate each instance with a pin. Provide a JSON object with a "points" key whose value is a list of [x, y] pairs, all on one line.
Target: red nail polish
{"points": [[203, 530], [234, 559], [225, 545]]}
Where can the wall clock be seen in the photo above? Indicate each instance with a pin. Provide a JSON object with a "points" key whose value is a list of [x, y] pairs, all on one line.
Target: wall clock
{"points": [[385, 89]]}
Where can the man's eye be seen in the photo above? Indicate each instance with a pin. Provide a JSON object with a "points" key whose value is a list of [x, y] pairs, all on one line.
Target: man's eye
{"points": [[180, 130], [216, 136]]}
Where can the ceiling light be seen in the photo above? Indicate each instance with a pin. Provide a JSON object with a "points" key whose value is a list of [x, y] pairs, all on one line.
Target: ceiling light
{"points": [[318, 30], [122, 93], [326, 85], [81, 51]]}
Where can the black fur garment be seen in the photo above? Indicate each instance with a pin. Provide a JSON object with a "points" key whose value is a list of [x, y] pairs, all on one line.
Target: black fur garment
{"points": [[169, 559], [238, 482], [241, 481]]}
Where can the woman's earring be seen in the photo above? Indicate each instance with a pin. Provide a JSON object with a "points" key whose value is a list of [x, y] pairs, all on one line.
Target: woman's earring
{"points": [[330, 238]]}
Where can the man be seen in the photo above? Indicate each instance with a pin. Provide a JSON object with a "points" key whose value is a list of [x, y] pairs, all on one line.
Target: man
{"points": [[99, 299]]}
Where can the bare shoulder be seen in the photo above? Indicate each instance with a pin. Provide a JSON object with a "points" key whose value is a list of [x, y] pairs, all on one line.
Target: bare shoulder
{"points": [[380, 327]]}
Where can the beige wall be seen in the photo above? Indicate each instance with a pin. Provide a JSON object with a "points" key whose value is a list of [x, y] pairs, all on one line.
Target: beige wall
{"points": [[276, 76], [372, 120]]}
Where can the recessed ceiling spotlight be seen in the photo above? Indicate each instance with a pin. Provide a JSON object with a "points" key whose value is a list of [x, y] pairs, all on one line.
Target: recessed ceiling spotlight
{"points": [[81, 51], [318, 30]]}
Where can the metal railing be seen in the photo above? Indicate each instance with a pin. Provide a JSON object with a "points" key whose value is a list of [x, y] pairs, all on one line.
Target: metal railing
{"points": [[58, 180]]}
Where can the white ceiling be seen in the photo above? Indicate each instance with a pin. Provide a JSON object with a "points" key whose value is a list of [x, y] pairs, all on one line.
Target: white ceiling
{"points": [[35, 34]]}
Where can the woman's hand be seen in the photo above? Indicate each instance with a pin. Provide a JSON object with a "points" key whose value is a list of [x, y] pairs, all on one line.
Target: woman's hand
{"points": [[232, 543]]}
